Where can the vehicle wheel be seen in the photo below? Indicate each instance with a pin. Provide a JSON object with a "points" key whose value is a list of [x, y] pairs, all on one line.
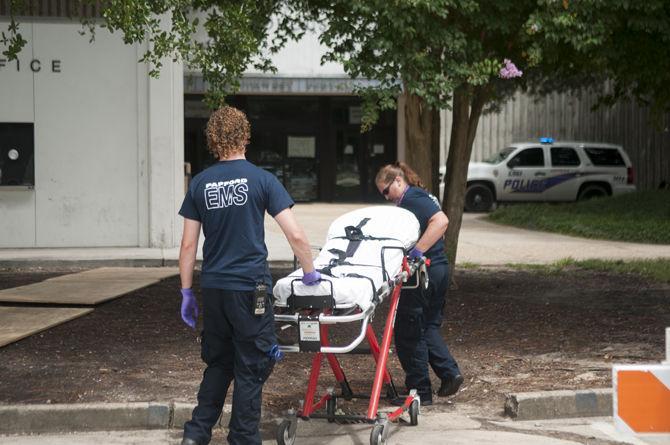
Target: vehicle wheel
{"points": [[331, 407], [592, 191], [377, 435], [478, 198], [284, 436], [414, 413]]}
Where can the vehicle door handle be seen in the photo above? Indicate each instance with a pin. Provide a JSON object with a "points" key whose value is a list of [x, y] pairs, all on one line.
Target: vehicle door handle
{"points": [[540, 174]]}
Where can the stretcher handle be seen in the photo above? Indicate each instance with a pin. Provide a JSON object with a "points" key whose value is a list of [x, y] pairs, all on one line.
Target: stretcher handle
{"points": [[365, 316], [385, 274], [330, 282], [405, 274], [351, 346], [330, 319]]}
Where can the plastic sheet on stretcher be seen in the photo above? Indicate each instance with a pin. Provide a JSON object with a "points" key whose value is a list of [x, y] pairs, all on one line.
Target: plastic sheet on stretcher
{"points": [[363, 249]]}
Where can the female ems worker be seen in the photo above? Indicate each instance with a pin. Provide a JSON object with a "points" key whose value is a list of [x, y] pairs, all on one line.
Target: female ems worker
{"points": [[417, 328]]}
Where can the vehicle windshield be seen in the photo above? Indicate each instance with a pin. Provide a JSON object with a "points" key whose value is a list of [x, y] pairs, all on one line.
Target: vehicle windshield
{"points": [[500, 156]]}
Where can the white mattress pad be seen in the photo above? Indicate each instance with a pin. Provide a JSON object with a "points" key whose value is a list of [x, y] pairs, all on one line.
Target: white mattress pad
{"points": [[355, 278]]}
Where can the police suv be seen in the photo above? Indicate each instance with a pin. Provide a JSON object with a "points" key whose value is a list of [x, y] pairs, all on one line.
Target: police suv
{"points": [[549, 170]]}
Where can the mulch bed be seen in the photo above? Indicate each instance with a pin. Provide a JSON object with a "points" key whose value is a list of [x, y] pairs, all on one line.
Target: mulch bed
{"points": [[509, 330]]}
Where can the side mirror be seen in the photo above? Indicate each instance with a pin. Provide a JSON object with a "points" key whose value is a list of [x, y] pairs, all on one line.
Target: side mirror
{"points": [[513, 163]]}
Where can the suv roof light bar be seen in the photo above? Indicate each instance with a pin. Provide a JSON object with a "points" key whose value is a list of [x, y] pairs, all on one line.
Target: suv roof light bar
{"points": [[546, 140]]}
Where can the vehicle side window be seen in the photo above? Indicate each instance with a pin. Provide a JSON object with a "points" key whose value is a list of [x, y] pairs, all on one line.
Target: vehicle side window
{"points": [[564, 157], [604, 156], [530, 157]]}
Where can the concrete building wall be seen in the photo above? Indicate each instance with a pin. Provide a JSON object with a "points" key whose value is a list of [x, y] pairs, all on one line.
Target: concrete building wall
{"points": [[108, 143], [296, 59], [303, 59], [166, 186], [17, 208]]}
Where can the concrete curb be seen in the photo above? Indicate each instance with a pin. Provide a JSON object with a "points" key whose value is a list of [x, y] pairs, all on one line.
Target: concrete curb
{"points": [[88, 417], [82, 417], [559, 404], [58, 418]]}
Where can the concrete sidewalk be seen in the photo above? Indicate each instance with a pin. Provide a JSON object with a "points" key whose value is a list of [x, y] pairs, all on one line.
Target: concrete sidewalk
{"points": [[480, 242], [487, 243], [434, 428]]}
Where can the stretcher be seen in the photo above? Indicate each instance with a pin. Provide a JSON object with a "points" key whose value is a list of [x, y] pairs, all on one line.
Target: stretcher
{"points": [[363, 262]]}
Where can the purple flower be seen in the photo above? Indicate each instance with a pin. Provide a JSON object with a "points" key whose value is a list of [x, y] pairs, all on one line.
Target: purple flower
{"points": [[509, 71]]}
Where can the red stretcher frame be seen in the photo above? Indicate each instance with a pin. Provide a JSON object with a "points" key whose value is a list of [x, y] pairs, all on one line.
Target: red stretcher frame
{"points": [[380, 353]]}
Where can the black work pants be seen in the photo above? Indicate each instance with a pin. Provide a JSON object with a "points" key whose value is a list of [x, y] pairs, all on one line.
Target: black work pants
{"points": [[439, 356], [235, 346], [418, 336]]}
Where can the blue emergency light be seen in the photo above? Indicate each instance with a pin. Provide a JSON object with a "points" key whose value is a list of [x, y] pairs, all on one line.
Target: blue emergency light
{"points": [[546, 140]]}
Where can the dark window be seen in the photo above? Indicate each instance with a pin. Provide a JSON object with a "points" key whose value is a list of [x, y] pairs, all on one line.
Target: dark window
{"points": [[17, 147], [530, 157], [564, 157], [604, 156], [61, 8]]}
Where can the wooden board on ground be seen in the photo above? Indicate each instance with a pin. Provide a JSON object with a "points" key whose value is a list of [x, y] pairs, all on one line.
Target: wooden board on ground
{"points": [[88, 288], [20, 322], [119, 273]]}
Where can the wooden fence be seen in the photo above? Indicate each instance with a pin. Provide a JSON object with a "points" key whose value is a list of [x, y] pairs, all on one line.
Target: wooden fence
{"points": [[570, 117]]}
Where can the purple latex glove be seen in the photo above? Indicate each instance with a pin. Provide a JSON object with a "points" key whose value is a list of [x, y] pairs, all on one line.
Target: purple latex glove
{"points": [[189, 307], [415, 254], [311, 278]]}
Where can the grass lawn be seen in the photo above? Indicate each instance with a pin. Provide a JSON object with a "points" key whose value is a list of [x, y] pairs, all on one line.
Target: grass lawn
{"points": [[657, 269], [642, 217]]}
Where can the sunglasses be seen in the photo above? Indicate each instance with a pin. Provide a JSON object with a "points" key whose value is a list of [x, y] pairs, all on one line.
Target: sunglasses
{"points": [[387, 189]]}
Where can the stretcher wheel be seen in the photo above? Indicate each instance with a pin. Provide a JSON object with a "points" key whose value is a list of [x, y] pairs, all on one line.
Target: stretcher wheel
{"points": [[331, 407], [377, 435], [284, 434], [414, 413], [423, 278]]}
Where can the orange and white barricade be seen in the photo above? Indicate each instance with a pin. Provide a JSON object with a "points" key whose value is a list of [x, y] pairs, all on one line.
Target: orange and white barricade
{"points": [[642, 396]]}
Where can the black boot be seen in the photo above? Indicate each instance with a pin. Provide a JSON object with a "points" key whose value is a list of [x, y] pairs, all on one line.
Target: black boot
{"points": [[450, 386], [188, 441]]}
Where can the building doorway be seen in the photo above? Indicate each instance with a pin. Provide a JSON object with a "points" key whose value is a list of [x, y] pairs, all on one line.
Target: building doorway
{"points": [[313, 144]]}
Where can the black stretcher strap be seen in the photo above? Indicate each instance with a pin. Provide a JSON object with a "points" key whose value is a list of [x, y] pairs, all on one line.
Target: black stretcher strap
{"points": [[328, 270], [372, 283], [355, 236], [354, 233], [371, 238], [334, 262]]}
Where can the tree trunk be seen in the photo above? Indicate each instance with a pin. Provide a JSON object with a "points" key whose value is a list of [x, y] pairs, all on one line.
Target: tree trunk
{"points": [[418, 137], [467, 108]]}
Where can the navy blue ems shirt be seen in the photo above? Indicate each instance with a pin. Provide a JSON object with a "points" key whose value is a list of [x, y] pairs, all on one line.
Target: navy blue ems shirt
{"points": [[230, 199], [424, 205]]}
